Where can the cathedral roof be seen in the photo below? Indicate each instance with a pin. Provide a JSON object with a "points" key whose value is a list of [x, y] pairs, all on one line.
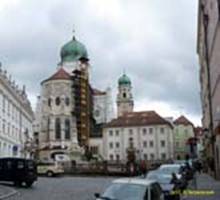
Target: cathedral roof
{"points": [[73, 51], [98, 92], [124, 80], [182, 120], [61, 74], [143, 118]]}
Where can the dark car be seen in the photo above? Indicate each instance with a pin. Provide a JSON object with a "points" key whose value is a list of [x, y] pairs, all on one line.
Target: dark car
{"points": [[18, 171]]}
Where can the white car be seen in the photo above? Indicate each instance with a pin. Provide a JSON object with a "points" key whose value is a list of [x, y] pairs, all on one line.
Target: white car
{"points": [[168, 169], [132, 189]]}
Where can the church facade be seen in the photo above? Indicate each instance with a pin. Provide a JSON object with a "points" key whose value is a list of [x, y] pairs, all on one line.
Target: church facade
{"points": [[68, 110]]}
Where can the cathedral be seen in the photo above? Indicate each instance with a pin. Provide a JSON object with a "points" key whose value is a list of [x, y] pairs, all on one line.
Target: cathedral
{"points": [[69, 109]]}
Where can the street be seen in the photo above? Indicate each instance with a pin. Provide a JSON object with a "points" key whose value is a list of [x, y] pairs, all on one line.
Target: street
{"points": [[65, 188]]}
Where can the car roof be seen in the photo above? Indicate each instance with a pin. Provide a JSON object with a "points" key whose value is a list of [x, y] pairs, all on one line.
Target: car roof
{"points": [[138, 181]]}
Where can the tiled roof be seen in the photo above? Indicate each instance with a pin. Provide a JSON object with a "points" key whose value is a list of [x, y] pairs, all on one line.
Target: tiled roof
{"points": [[61, 74], [98, 92], [143, 118], [182, 120]]}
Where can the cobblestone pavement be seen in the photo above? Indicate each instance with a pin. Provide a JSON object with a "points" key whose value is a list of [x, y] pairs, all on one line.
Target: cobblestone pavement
{"points": [[202, 183], [63, 188], [6, 191]]}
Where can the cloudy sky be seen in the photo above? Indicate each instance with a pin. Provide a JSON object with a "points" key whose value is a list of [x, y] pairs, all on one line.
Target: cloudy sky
{"points": [[154, 41]]}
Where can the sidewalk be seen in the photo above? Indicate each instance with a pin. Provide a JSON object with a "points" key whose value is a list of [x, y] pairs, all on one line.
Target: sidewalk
{"points": [[205, 182], [6, 192]]}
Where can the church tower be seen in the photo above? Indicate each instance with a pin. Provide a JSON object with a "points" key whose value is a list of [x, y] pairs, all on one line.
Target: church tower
{"points": [[125, 101]]}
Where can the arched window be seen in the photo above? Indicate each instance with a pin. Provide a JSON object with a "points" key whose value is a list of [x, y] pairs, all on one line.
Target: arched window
{"points": [[49, 102], [67, 129], [58, 128], [57, 101], [67, 101]]}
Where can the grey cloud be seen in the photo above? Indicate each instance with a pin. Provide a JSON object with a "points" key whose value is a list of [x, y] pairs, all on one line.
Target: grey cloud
{"points": [[153, 40]]}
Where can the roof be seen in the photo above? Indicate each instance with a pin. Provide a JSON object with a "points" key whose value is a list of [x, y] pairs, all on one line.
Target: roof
{"points": [[143, 118], [182, 120], [198, 131], [98, 92], [61, 74], [138, 181], [124, 80]]}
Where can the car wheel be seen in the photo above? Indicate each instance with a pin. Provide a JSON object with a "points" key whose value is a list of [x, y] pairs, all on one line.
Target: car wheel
{"points": [[50, 174], [18, 183], [29, 183]]}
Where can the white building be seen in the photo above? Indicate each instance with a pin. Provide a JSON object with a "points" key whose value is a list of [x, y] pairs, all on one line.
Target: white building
{"points": [[16, 119], [148, 134], [103, 106]]}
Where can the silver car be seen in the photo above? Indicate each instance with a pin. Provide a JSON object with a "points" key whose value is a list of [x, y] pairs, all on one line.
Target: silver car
{"points": [[132, 189]]}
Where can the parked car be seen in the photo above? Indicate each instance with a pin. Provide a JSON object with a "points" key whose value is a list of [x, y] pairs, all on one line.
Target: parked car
{"points": [[132, 189], [165, 183], [18, 171], [50, 169], [169, 169]]}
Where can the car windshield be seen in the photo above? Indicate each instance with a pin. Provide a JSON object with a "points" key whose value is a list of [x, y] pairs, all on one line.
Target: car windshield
{"points": [[170, 169], [123, 191], [160, 178]]}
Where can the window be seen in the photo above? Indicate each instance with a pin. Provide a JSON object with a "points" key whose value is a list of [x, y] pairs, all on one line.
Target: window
{"points": [[186, 132], [111, 157], [152, 156], [145, 144], [58, 128], [117, 145], [124, 95], [163, 156], [177, 144], [144, 130], [67, 101], [117, 157], [162, 143], [20, 165], [49, 102], [131, 144], [151, 130], [130, 132], [57, 101], [67, 129], [151, 143], [117, 133], [111, 133], [162, 130], [111, 145], [145, 156]]}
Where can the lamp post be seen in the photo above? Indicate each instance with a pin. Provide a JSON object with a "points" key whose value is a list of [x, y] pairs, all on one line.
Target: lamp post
{"points": [[211, 128]]}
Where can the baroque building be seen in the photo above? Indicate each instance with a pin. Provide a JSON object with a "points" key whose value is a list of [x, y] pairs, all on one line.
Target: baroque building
{"points": [[16, 117], [65, 120]]}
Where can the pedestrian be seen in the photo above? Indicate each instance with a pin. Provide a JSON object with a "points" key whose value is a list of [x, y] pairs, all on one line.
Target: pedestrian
{"points": [[143, 168]]}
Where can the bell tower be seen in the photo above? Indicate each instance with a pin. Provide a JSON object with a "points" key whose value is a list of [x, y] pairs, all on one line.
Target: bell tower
{"points": [[125, 102]]}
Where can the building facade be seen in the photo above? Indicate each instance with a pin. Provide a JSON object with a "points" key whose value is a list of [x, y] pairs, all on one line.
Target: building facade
{"points": [[183, 131], [103, 113], [16, 119], [145, 134], [65, 120], [208, 47]]}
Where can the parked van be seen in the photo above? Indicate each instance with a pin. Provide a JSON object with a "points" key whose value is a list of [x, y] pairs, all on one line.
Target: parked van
{"points": [[18, 171], [50, 168]]}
